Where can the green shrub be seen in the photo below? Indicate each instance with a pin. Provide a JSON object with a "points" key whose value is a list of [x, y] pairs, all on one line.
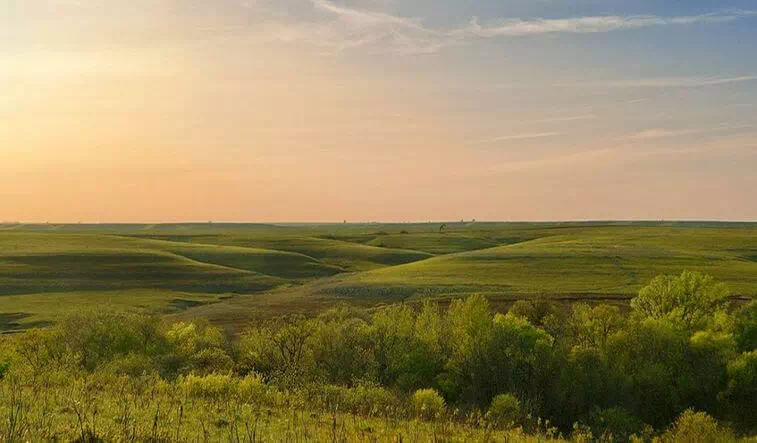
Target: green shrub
{"points": [[211, 360], [615, 424], [4, 367], [504, 410], [362, 399], [209, 387], [132, 365], [692, 427], [525, 309], [428, 404]]}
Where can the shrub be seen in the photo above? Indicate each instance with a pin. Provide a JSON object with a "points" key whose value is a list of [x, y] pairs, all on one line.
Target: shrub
{"points": [[615, 424], [4, 366], [361, 399], [696, 427], [252, 389], [428, 404], [504, 410], [525, 309], [211, 360], [210, 387], [133, 365]]}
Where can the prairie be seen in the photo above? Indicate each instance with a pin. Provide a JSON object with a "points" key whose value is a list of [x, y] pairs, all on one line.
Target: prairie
{"points": [[231, 273]]}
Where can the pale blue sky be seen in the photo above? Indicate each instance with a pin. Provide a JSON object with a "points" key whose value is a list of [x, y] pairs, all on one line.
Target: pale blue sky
{"points": [[321, 110]]}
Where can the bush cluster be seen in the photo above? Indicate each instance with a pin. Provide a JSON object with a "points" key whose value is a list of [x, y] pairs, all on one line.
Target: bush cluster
{"points": [[601, 370]]}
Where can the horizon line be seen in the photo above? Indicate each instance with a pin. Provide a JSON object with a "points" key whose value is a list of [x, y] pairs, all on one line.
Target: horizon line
{"points": [[375, 222]]}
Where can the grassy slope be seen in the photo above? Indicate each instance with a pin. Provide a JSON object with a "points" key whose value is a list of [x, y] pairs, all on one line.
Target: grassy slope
{"points": [[302, 268], [30, 310], [47, 270], [602, 261]]}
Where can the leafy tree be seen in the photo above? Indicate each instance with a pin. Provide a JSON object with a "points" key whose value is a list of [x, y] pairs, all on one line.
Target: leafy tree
{"points": [[741, 393], [425, 361], [651, 357], [586, 382], [689, 299], [197, 348], [494, 355], [592, 327], [342, 349], [745, 327], [281, 349], [98, 337], [392, 337]]}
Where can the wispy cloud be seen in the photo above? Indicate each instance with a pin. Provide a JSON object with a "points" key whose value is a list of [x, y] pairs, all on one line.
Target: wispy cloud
{"points": [[567, 118], [341, 28], [513, 137], [656, 133], [670, 82], [588, 25]]}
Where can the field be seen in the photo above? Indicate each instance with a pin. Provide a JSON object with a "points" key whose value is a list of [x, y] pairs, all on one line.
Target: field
{"points": [[231, 273]]}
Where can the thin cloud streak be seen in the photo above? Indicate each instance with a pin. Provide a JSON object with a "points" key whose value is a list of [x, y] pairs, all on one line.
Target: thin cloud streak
{"points": [[518, 137], [672, 82], [346, 28], [572, 118], [656, 133]]}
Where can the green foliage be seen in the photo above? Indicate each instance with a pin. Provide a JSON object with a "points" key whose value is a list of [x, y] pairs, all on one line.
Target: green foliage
{"points": [[587, 381], [493, 355], [428, 404], [745, 327], [592, 327], [652, 356], [211, 387], [741, 393], [392, 335], [363, 399], [98, 337], [280, 349], [4, 366], [504, 410], [689, 299], [342, 347], [615, 424], [694, 426], [398, 361]]}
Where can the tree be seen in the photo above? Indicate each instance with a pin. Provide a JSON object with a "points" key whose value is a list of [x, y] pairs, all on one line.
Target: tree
{"points": [[591, 327], [741, 394], [342, 348], [392, 337], [495, 355], [688, 300], [281, 348], [745, 327]]}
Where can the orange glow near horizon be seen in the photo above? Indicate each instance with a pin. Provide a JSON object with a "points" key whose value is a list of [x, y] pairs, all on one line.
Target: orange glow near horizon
{"points": [[164, 124]]}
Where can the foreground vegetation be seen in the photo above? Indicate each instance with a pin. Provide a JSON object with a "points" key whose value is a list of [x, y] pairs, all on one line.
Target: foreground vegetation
{"points": [[681, 366]]}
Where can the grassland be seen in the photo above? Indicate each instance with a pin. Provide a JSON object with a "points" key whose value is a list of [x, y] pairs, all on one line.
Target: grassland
{"points": [[231, 273]]}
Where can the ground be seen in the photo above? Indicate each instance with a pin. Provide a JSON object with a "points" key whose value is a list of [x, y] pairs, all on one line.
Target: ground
{"points": [[232, 273]]}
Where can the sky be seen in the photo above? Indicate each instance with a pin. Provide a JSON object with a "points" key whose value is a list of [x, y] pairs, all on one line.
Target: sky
{"points": [[377, 110]]}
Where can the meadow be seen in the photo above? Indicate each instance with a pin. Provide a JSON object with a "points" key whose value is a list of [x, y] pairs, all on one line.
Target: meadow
{"points": [[232, 273]]}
